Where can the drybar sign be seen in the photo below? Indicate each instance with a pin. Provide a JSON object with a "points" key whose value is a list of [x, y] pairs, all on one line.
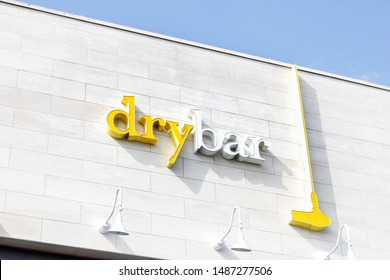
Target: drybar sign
{"points": [[231, 144]]}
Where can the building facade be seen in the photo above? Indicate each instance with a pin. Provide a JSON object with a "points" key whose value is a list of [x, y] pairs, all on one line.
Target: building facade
{"points": [[61, 76]]}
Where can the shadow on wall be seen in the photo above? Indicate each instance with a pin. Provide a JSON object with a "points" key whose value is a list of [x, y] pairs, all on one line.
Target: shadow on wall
{"points": [[326, 239], [269, 181], [198, 167], [192, 170], [3, 232]]}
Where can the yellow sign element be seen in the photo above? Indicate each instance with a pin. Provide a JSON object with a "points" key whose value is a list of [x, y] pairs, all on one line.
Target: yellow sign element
{"points": [[315, 219], [177, 137], [128, 118]]}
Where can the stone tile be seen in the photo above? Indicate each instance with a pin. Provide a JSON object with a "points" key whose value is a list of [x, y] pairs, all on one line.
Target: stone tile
{"points": [[259, 255], [268, 79], [85, 74], [148, 161], [283, 149], [332, 159], [8, 76], [267, 112], [3, 194], [43, 207], [153, 202], [118, 64], [4, 156], [376, 202], [212, 212], [81, 149], [239, 123], [274, 222], [373, 167], [281, 99], [209, 100], [76, 235], [45, 164], [23, 139], [347, 179], [50, 49], [289, 168], [164, 109], [115, 175], [149, 87], [376, 220], [275, 184], [266, 166], [20, 227], [51, 85], [20, 25], [10, 40], [233, 88], [20, 181], [328, 125], [48, 123], [147, 52], [24, 61], [284, 132], [213, 173], [178, 77], [6, 115], [379, 240], [24, 99], [371, 134], [77, 190], [111, 97], [152, 246], [182, 187], [183, 229], [246, 198], [308, 248], [382, 151], [82, 39], [365, 253], [338, 195]]}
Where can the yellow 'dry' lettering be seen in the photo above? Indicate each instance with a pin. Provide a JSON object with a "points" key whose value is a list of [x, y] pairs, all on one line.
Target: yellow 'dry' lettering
{"points": [[178, 138]]}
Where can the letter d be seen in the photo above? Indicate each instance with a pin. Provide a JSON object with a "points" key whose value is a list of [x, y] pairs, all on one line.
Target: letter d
{"points": [[127, 118]]}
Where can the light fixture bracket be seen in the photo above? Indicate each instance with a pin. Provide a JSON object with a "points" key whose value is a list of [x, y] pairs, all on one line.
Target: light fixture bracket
{"points": [[240, 245]]}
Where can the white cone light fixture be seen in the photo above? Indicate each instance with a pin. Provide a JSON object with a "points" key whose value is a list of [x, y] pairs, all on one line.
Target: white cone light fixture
{"points": [[350, 254], [117, 227], [240, 244]]}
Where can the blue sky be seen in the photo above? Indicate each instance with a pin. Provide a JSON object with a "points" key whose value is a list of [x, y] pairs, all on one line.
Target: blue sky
{"points": [[345, 37]]}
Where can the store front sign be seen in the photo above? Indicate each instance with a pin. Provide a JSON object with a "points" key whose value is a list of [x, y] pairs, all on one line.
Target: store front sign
{"points": [[231, 144]]}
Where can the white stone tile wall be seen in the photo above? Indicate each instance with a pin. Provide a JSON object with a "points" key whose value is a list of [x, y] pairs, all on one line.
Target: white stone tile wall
{"points": [[348, 129], [59, 168]]}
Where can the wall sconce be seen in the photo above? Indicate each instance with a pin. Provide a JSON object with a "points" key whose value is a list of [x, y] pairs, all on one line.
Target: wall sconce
{"points": [[240, 244], [350, 254], [117, 227]]}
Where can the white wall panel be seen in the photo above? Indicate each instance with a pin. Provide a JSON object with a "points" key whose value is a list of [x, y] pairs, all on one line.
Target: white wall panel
{"points": [[8, 76], [51, 85], [59, 168]]}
